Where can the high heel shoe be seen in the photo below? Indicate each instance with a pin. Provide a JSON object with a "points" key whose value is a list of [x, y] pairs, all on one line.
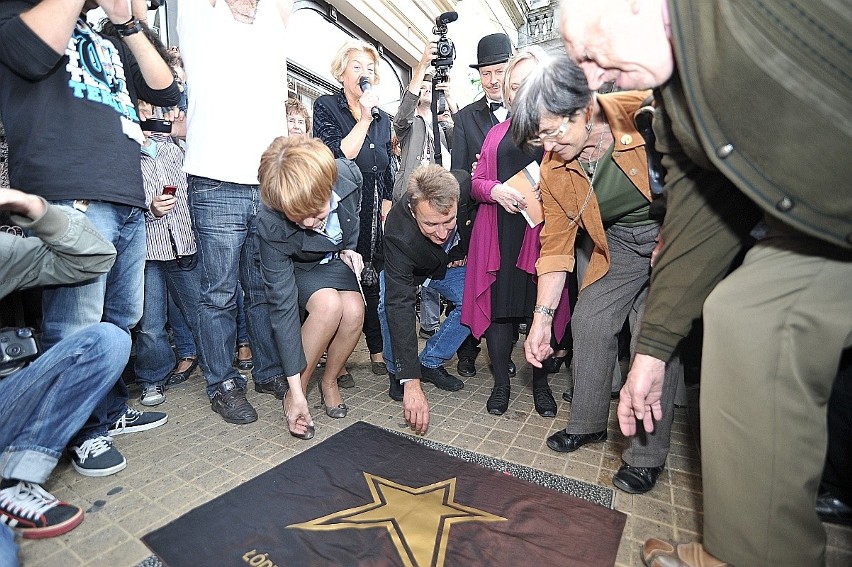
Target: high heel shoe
{"points": [[337, 412], [551, 365], [310, 430]]}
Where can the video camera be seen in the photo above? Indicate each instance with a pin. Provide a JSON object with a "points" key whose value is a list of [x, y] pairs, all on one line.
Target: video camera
{"points": [[446, 55], [18, 347]]}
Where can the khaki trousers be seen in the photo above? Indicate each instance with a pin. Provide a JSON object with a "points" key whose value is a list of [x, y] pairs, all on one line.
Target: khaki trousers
{"points": [[774, 332]]}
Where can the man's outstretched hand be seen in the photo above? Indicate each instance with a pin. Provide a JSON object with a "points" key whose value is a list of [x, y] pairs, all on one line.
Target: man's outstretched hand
{"points": [[640, 395]]}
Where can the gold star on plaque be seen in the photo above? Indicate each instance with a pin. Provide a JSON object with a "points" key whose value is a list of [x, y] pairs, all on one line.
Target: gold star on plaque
{"points": [[417, 519]]}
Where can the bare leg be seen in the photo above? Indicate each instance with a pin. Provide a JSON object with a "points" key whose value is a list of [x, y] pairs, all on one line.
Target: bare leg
{"points": [[342, 344], [325, 311]]}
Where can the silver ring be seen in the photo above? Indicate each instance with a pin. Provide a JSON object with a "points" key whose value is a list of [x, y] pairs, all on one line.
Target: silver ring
{"points": [[515, 204]]}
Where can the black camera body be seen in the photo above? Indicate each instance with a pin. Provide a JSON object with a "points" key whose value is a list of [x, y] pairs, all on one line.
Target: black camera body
{"points": [[18, 347], [445, 57], [157, 125], [446, 49]]}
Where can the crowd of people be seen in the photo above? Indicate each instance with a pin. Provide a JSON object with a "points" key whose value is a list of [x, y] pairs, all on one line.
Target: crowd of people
{"points": [[537, 206]]}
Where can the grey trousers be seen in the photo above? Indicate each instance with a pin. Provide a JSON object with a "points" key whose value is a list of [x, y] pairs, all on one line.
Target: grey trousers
{"points": [[601, 310], [774, 331]]}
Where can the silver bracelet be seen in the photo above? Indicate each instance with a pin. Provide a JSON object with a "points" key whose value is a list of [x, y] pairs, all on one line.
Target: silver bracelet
{"points": [[544, 310]]}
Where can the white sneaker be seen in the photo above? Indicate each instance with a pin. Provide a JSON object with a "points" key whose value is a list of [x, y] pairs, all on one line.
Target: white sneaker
{"points": [[152, 396], [135, 420], [97, 457]]}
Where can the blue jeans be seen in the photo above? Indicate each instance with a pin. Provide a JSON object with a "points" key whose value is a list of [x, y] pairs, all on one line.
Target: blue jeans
{"points": [[8, 547], [185, 343], [114, 297], [163, 279], [224, 216], [430, 309], [450, 335], [242, 328], [43, 405]]}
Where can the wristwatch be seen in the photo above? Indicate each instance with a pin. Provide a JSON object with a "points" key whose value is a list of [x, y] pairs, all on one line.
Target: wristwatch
{"points": [[544, 310], [129, 28]]}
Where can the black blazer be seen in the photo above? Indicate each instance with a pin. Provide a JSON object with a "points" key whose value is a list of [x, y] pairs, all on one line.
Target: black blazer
{"points": [[472, 124], [410, 258], [286, 249]]}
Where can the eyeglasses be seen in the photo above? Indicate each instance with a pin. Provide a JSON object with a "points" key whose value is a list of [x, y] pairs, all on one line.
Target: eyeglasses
{"points": [[539, 140]]}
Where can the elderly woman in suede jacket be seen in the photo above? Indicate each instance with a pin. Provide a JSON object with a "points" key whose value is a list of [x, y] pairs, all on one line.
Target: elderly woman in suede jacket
{"points": [[308, 230]]}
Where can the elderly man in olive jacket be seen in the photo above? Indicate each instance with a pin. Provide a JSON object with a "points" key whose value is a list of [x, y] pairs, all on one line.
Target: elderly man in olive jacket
{"points": [[754, 120]]}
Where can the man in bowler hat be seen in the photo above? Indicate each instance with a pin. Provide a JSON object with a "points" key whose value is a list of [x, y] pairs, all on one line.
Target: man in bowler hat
{"points": [[472, 123]]}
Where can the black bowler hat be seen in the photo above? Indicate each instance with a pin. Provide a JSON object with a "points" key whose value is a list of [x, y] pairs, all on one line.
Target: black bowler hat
{"points": [[493, 49]]}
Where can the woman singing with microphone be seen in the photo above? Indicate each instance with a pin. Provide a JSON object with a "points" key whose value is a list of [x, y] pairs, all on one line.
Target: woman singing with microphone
{"points": [[345, 122]]}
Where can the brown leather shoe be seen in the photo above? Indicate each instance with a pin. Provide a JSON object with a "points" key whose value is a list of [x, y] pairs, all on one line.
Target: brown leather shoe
{"points": [[660, 553]]}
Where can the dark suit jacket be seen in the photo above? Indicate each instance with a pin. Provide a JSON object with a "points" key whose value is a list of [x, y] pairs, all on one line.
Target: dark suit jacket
{"points": [[410, 258], [472, 123], [288, 251]]}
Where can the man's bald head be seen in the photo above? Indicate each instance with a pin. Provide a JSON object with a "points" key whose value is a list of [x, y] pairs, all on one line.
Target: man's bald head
{"points": [[625, 41]]}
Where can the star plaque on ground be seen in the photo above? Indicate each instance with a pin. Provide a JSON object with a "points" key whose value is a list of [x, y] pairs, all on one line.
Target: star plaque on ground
{"points": [[418, 520]]}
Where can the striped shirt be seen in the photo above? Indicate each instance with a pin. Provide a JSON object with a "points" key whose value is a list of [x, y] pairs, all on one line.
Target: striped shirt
{"points": [[166, 169]]}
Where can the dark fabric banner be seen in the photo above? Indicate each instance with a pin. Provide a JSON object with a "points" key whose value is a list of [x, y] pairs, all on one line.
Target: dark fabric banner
{"points": [[369, 497]]}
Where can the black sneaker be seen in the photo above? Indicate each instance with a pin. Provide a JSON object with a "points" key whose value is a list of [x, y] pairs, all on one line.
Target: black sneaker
{"points": [[498, 401], [278, 387], [97, 457], [29, 508], [442, 379], [230, 402], [396, 391], [134, 420], [466, 367]]}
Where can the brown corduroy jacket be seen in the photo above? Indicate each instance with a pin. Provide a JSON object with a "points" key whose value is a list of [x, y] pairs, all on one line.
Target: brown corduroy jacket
{"points": [[564, 188]]}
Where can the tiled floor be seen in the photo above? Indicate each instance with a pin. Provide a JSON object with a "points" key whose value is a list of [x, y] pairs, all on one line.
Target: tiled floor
{"points": [[196, 457]]}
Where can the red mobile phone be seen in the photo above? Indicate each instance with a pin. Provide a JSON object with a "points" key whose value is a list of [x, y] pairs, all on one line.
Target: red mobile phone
{"points": [[169, 190]]}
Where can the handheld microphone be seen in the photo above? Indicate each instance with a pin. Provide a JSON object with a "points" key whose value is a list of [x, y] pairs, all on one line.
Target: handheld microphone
{"points": [[365, 85]]}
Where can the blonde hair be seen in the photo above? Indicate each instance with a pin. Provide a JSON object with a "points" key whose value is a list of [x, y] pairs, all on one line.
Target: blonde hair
{"points": [[296, 176], [341, 60], [533, 52]]}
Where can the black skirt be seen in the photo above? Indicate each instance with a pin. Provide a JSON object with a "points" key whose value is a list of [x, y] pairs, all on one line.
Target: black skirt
{"points": [[334, 275]]}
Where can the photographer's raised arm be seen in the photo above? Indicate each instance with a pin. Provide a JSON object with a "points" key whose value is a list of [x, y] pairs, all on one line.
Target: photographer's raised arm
{"points": [[65, 247], [32, 42]]}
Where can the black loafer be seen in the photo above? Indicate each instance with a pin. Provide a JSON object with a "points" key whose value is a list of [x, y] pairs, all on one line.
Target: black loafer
{"points": [[466, 367], [498, 401], [545, 405], [833, 510], [396, 390], [346, 380], [179, 377], [442, 379], [636, 480], [379, 368], [278, 387], [565, 442]]}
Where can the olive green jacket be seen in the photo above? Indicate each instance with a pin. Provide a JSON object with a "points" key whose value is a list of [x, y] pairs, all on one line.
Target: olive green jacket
{"points": [[756, 120]]}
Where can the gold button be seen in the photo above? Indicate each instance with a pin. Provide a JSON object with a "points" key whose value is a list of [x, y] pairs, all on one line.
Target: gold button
{"points": [[626, 139], [632, 171]]}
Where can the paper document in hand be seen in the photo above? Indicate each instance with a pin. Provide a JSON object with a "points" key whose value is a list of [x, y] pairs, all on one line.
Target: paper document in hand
{"points": [[524, 181]]}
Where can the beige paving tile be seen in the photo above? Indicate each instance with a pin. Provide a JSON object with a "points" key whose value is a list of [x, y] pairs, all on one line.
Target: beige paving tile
{"points": [[196, 457]]}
